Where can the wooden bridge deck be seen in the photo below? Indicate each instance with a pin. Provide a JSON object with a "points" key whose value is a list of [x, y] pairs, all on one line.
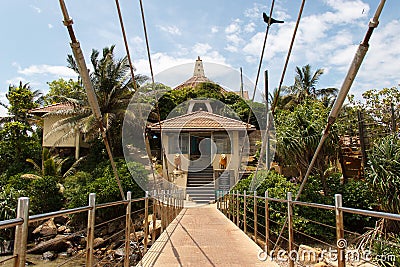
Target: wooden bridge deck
{"points": [[203, 236]]}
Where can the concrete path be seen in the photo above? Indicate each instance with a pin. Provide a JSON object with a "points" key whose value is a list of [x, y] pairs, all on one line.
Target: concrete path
{"points": [[203, 236]]}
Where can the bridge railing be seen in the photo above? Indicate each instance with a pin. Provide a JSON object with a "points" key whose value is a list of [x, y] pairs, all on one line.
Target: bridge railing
{"points": [[282, 228], [120, 233]]}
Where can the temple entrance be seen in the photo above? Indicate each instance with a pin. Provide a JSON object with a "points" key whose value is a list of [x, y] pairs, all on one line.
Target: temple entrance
{"points": [[200, 149]]}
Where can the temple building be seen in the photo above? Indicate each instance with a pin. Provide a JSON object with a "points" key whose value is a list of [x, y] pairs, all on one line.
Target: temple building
{"points": [[203, 150]]}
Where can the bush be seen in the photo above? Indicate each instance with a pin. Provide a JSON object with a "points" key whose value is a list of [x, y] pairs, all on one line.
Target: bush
{"points": [[102, 182], [45, 195]]}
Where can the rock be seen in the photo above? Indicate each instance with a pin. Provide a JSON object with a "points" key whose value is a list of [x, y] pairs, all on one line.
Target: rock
{"points": [[49, 256], [308, 255], [119, 252], [97, 241], [61, 229], [70, 251], [321, 264], [62, 220], [149, 218], [157, 229], [139, 234], [47, 229]]}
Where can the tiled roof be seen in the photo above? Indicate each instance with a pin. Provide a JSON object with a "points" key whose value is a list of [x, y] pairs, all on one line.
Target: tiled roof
{"points": [[201, 120], [193, 82], [51, 108]]}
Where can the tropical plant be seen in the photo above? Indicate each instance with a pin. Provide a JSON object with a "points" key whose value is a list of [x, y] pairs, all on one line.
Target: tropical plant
{"points": [[298, 133], [113, 87], [383, 173], [18, 139], [305, 85]]}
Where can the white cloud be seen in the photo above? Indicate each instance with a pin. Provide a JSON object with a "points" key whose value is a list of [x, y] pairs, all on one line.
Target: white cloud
{"points": [[48, 70], [201, 48], [214, 29], [235, 39], [347, 11], [50, 26], [37, 9], [250, 27], [232, 28], [231, 48], [170, 29]]}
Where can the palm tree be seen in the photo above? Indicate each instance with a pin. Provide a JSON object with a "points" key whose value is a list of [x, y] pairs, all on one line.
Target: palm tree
{"points": [[305, 84], [114, 89]]}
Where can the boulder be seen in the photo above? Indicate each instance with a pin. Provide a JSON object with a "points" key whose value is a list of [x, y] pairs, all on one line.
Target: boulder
{"points": [[309, 255], [49, 256], [321, 264], [62, 220], [47, 229], [157, 229]]}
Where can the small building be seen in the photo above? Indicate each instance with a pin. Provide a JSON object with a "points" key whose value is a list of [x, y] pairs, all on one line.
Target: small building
{"points": [[63, 145], [203, 150]]}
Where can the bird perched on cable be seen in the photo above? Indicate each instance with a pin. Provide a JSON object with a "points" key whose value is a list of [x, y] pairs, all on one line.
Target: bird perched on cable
{"points": [[266, 19]]}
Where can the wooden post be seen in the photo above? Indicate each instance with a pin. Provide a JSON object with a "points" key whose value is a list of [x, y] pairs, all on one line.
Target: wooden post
{"points": [[21, 232], [146, 222], [217, 199], [237, 209], [255, 216], [90, 229], [290, 228], [244, 212], [153, 233], [229, 205], [128, 229], [161, 203], [234, 202], [341, 243], [266, 222]]}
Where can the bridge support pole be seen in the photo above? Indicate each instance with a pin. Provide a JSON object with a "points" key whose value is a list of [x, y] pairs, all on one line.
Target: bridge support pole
{"points": [[21, 232], [340, 241], [266, 222], [255, 216], [128, 228], [290, 228], [237, 208], [146, 222], [154, 218], [244, 212], [90, 229]]}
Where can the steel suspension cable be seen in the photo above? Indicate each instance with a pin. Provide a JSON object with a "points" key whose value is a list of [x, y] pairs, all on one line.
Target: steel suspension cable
{"points": [[275, 102], [91, 94], [121, 22], [153, 81], [256, 83], [261, 57]]}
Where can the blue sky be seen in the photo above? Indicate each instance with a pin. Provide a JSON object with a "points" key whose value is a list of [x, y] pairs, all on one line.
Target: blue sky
{"points": [[35, 43]]}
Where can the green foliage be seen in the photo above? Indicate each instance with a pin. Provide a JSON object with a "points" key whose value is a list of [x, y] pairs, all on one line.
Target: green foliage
{"points": [[308, 220], [61, 89], [101, 181], [383, 173], [298, 133], [45, 195], [172, 99], [17, 138]]}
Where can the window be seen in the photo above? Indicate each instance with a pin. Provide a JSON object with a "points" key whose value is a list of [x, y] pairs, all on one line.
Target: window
{"points": [[223, 142], [178, 143]]}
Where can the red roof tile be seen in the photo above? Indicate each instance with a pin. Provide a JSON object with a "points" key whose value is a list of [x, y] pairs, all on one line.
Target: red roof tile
{"points": [[51, 108], [201, 120]]}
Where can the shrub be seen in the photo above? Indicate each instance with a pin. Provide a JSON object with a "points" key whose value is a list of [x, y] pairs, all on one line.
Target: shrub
{"points": [[45, 195]]}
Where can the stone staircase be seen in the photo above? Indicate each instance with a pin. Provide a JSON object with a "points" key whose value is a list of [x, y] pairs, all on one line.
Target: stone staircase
{"points": [[200, 184]]}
